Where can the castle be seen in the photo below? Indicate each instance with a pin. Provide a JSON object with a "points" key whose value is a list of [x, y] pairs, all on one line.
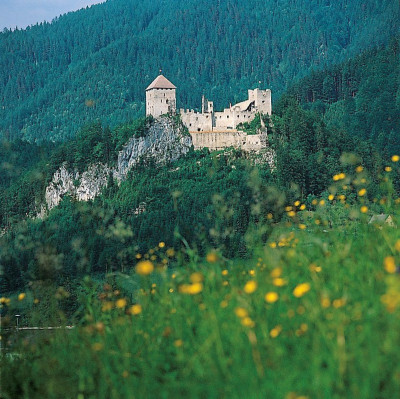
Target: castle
{"points": [[209, 128]]}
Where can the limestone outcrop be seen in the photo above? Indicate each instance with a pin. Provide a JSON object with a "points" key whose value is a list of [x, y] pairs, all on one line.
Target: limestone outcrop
{"points": [[165, 141]]}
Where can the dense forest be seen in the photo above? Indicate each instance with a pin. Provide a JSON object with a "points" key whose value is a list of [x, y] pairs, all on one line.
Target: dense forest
{"points": [[361, 96], [96, 63], [218, 199]]}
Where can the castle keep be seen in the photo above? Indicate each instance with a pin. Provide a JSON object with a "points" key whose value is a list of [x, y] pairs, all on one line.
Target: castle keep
{"points": [[160, 97], [209, 128]]}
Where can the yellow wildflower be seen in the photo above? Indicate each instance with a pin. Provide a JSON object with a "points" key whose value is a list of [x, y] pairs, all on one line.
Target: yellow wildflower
{"points": [[362, 192], [338, 303], [322, 202], [224, 304], [315, 268], [297, 203], [331, 197], [272, 244], [301, 289], [359, 169], [302, 226], [279, 282], [135, 309], [388, 168], [302, 207], [144, 268], [275, 331], [276, 272], [5, 301], [270, 216], [161, 244], [250, 287], [212, 257], [191, 289], [364, 209], [325, 302], [395, 158], [224, 272], [339, 176], [170, 252], [291, 214], [389, 264], [271, 297], [21, 296], [241, 312], [120, 303], [178, 343], [247, 322], [196, 277]]}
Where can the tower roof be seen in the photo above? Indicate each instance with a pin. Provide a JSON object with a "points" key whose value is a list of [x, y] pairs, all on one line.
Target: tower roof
{"points": [[161, 82]]}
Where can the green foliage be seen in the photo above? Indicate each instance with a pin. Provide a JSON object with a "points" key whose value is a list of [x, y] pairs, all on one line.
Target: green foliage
{"points": [[308, 151], [254, 126], [329, 326], [361, 96], [96, 63]]}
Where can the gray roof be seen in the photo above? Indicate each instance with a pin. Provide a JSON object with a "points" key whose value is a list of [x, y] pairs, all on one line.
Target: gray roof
{"points": [[161, 82], [379, 218]]}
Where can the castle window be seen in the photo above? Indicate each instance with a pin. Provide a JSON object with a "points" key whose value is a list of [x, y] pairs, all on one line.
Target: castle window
{"points": [[227, 116], [166, 101]]}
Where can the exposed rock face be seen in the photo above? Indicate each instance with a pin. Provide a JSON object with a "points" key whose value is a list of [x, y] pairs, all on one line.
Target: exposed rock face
{"points": [[164, 142], [83, 186]]}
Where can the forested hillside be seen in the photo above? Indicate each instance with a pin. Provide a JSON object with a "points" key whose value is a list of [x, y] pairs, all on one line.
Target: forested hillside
{"points": [[361, 96], [96, 63]]}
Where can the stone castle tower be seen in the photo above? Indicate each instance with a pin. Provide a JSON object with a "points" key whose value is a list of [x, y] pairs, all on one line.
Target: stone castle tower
{"points": [[160, 97]]}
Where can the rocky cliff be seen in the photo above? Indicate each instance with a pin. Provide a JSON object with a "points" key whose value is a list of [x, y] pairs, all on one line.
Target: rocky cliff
{"points": [[165, 141]]}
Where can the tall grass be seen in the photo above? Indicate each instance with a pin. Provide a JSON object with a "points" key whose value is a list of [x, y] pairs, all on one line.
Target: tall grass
{"points": [[313, 314]]}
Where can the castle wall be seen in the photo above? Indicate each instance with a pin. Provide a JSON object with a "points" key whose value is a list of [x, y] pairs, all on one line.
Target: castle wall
{"points": [[160, 101], [218, 140], [196, 121]]}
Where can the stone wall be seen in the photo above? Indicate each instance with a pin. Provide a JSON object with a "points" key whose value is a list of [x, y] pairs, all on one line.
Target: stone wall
{"points": [[221, 140], [196, 121], [160, 102]]}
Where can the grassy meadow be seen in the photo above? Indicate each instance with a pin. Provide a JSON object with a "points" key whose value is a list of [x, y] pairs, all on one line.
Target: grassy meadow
{"points": [[314, 312]]}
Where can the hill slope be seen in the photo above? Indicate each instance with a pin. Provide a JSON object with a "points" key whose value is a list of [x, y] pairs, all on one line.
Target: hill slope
{"points": [[96, 63], [361, 96]]}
